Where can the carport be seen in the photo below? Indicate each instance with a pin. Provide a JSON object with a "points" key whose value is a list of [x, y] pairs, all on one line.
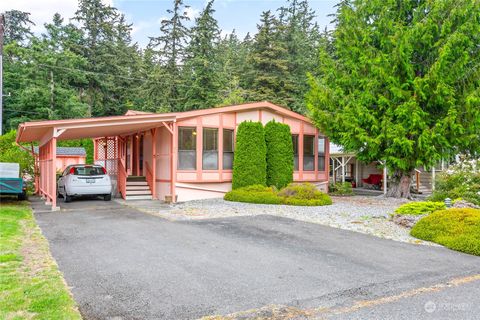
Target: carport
{"points": [[112, 137]]}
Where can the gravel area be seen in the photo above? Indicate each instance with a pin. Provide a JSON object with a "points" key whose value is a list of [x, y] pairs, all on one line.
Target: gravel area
{"points": [[370, 215]]}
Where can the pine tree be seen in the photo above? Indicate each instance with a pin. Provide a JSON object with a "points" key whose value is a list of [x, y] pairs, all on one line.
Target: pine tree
{"points": [[170, 53], [269, 77], [201, 66]]}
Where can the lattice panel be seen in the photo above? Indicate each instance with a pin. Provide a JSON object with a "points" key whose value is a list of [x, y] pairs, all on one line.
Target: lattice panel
{"points": [[106, 153]]}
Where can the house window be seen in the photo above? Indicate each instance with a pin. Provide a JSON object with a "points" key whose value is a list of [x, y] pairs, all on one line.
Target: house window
{"points": [[210, 149], [227, 149], [187, 144], [295, 151], [308, 153], [321, 154]]}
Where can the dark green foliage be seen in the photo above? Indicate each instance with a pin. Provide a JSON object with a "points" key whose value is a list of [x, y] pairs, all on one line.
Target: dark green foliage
{"points": [[279, 154], [419, 208], [250, 165], [457, 229], [294, 194], [341, 189], [459, 181], [398, 81], [254, 194], [10, 152]]}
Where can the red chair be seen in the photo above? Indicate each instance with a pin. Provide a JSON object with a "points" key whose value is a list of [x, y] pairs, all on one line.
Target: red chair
{"points": [[374, 181]]}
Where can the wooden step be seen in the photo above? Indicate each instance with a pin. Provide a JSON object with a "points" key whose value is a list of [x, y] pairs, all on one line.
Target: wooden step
{"points": [[137, 183], [138, 188], [139, 197], [135, 192]]}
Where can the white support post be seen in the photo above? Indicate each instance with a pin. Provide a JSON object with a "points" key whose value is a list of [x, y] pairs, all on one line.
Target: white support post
{"points": [[385, 179], [343, 169], [433, 178], [356, 172]]}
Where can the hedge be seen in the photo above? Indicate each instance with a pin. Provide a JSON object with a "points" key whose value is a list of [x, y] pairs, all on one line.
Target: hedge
{"points": [[279, 144], [249, 164], [304, 194], [457, 229]]}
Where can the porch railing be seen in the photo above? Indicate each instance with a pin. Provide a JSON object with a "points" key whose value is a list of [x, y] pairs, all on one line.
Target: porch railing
{"points": [[122, 179], [149, 176]]}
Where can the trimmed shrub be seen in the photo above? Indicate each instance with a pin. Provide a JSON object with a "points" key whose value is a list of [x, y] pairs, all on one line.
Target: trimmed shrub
{"points": [[420, 208], [341, 189], [279, 144], [294, 194], [305, 194], [249, 164], [457, 229], [254, 194], [461, 180]]}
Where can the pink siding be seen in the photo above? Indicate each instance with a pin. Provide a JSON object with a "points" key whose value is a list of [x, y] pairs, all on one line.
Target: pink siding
{"points": [[64, 161]]}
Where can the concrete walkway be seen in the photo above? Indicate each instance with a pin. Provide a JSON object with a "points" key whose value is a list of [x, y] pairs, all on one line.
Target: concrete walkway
{"points": [[125, 264]]}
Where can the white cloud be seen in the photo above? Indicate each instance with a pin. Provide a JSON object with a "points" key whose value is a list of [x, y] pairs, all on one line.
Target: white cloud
{"points": [[192, 12], [42, 11]]}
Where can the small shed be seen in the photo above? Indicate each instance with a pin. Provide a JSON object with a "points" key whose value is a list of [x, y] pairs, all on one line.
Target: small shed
{"points": [[67, 156]]}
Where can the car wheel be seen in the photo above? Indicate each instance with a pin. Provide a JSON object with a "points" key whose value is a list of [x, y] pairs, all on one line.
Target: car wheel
{"points": [[107, 197], [67, 198], [22, 196]]}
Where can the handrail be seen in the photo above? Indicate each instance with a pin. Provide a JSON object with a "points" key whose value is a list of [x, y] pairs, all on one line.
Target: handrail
{"points": [[149, 176]]}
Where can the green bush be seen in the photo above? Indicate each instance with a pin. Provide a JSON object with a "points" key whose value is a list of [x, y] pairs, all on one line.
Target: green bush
{"points": [[87, 143], [278, 140], [341, 189], [457, 229], [249, 164], [10, 152], [305, 194], [459, 181], [419, 208], [254, 194], [294, 194]]}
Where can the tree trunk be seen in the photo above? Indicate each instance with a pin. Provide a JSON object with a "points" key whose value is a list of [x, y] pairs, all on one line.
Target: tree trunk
{"points": [[400, 184]]}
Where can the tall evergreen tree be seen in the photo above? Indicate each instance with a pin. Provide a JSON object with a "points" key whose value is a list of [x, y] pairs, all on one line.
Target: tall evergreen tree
{"points": [[202, 66], [170, 53], [402, 84], [269, 77]]}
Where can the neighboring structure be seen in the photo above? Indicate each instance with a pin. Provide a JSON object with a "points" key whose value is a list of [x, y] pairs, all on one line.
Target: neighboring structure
{"points": [[179, 156], [344, 166], [67, 156]]}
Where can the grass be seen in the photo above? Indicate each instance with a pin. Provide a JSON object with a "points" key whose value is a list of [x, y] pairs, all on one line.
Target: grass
{"points": [[457, 229], [31, 286]]}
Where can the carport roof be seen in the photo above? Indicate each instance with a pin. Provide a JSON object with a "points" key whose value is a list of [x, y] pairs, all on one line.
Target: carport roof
{"points": [[90, 127]]}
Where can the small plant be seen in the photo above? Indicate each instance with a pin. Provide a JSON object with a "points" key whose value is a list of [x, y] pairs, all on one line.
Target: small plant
{"points": [[341, 189], [461, 180], [294, 194], [457, 229], [420, 208], [254, 194]]}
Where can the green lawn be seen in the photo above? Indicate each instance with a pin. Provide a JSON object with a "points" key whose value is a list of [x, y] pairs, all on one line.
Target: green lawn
{"points": [[31, 287]]}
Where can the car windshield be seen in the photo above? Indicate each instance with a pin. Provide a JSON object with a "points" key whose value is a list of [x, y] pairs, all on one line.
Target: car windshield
{"points": [[88, 171]]}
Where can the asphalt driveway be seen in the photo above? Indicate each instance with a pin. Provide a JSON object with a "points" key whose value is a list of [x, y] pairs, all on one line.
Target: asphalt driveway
{"points": [[124, 264]]}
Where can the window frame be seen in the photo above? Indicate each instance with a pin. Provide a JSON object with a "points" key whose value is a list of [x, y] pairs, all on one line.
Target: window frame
{"points": [[312, 155], [232, 152], [296, 155], [321, 155], [212, 151], [181, 151]]}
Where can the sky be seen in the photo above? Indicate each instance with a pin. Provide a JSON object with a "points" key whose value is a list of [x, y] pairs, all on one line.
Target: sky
{"points": [[241, 15]]}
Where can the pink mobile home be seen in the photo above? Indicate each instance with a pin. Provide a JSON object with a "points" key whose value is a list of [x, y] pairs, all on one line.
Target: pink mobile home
{"points": [[182, 156]]}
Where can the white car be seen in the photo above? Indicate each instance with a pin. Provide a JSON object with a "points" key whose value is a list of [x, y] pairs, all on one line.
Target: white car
{"points": [[82, 179]]}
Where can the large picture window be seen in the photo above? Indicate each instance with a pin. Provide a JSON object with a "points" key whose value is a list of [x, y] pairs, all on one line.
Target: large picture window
{"points": [[295, 151], [228, 138], [210, 149], [187, 148], [321, 154], [308, 153]]}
